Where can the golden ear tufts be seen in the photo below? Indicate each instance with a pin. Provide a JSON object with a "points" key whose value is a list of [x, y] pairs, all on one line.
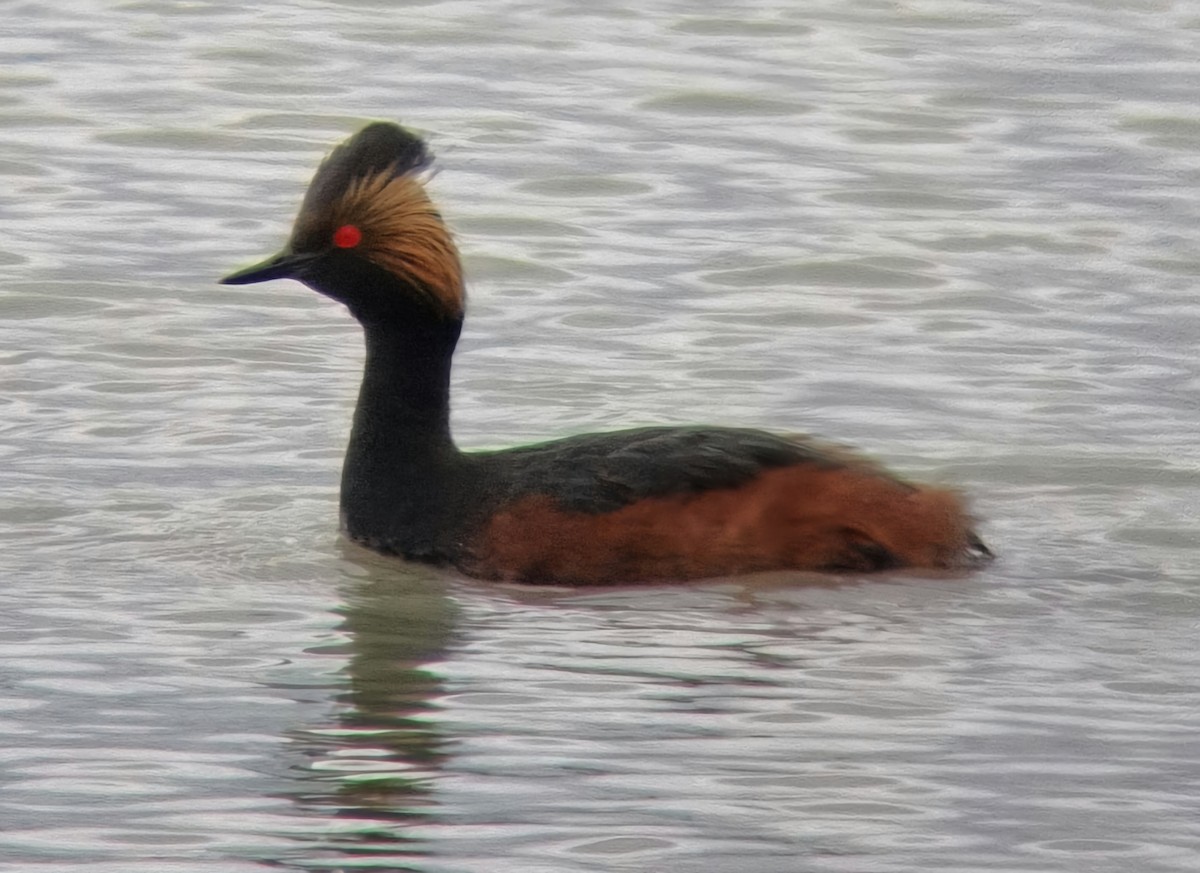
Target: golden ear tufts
{"points": [[403, 232]]}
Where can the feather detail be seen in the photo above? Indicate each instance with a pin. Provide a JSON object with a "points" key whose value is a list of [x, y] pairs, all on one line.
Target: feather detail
{"points": [[374, 183], [403, 233]]}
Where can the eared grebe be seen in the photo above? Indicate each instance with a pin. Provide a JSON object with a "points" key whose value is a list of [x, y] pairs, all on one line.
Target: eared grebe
{"points": [[652, 503]]}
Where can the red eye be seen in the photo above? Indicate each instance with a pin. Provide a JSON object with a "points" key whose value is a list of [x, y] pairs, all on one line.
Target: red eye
{"points": [[347, 236]]}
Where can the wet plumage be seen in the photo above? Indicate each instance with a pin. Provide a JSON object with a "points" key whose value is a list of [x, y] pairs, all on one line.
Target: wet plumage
{"points": [[636, 505]]}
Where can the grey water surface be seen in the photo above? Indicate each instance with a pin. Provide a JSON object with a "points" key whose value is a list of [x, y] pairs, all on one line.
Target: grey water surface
{"points": [[960, 235]]}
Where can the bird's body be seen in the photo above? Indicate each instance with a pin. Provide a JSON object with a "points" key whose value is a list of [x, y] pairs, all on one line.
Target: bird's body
{"points": [[634, 505]]}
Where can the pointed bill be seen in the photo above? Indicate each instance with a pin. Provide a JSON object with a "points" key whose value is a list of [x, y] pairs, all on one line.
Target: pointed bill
{"points": [[285, 265]]}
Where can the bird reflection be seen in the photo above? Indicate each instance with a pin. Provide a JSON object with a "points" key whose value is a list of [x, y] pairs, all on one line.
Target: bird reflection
{"points": [[371, 771]]}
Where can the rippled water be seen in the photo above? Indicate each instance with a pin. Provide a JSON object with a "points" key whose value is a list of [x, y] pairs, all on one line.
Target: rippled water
{"points": [[960, 235]]}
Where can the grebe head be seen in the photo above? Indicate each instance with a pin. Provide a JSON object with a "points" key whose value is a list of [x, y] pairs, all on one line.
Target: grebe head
{"points": [[369, 236]]}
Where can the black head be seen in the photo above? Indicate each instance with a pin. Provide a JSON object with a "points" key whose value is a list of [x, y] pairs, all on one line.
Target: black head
{"points": [[367, 233]]}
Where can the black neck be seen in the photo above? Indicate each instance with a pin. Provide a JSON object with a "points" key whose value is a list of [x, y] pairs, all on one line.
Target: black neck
{"points": [[404, 400], [401, 435]]}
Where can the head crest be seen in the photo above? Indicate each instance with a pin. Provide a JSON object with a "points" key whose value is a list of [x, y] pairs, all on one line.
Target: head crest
{"points": [[367, 196]]}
